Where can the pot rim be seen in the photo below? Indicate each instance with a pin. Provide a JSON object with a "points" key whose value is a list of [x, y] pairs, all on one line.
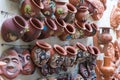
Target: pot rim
{"points": [[71, 8], [58, 23], [72, 31], [39, 6], [81, 46], [74, 51]]}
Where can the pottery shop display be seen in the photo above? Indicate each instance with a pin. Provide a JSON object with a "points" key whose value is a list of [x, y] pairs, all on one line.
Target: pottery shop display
{"points": [[35, 27], [58, 56], [13, 28], [12, 69], [28, 66], [107, 68], [31, 8], [49, 28]]}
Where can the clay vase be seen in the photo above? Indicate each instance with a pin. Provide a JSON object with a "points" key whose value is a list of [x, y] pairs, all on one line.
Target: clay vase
{"points": [[81, 52], [68, 31], [105, 36], [49, 8], [41, 53], [61, 9], [49, 28], [31, 8], [71, 13], [107, 68], [60, 26], [34, 31], [71, 56], [82, 14], [58, 56], [94, 29], [13, 28]]}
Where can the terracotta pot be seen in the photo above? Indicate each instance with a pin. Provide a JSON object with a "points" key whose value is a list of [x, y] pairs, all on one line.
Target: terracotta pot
{"points": [[71, 56], [58, 56], [82, 14], [49, 28], [68, 31], [105, 36], [60, 26], [61, 9], [76, 3], [31, 8], [71, 13], [49, 8], [34, 31], [81, 52], [107, 68], [41, 53], [13, 28]]}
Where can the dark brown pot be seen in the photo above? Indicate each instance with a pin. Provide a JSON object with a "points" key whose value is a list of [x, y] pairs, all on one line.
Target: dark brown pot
{"points": [[58, 56], [68, 31], [71, 13], [60, 26], [34, 31], [41, 53], [31, 8], [61, 9], [49, 28], [13, 28], [82, 14], [105, 36], [71, 56]]}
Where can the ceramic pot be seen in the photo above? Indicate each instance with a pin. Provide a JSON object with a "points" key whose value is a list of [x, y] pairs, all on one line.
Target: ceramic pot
{"points": [[71, 56], [34, 31], [60, 26], [49, 8], [71, 13], [68, 31], [31, 8], [61, 9], [58, 56], [41, 53], [107, 68], [76, 3], [81, 52], [49, 28], [82, 14], [13, 28], [94, 29], [105, 36]]}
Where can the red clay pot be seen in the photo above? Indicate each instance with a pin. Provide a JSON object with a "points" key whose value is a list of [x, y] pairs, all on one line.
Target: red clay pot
{"points": [[13, 28], [31, 8], [34, 31]]}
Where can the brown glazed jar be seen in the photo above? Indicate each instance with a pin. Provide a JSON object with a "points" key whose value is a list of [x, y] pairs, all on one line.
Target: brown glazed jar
{"points": [[41, 53], [68, 31], [49, 28], [61, 9], [71, 56], [107, 68], [34, 31], [60, 26], [105, 36], [13, 28], [58, 56], [82, 14], [31, 8]]}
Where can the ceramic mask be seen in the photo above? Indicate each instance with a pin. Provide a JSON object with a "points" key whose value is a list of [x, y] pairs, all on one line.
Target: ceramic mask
{"points": [[56, 60], [41, 57], [13, 67], [26, 61]]}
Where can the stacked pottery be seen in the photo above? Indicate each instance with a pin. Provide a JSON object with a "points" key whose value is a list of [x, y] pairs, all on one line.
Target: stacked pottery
{"points": [[13, 28], [31, 8], [34, 31]]}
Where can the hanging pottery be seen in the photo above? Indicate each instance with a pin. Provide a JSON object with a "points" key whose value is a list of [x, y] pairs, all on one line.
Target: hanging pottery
{"points": [[31, 8], [12, 69], [58, 56], [13, 28], [41, 53], [34, 30], [49, 28]]}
